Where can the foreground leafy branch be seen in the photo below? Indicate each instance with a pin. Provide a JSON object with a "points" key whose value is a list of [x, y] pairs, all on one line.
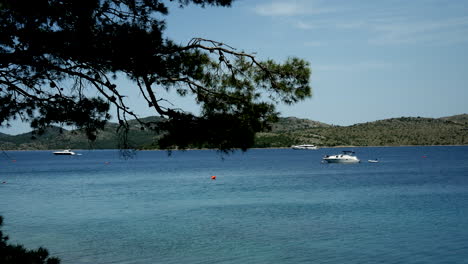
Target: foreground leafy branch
{"points": [[17, 254], [60, 62]]}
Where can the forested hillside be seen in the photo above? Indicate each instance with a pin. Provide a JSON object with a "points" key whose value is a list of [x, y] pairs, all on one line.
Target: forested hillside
{"points": [[389, 132], [55, 138], [289, 131]]}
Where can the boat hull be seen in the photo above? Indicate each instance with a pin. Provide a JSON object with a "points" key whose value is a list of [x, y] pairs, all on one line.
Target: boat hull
{"points": [[66, 152], [306, 147], [342, 160], [346, 157]]}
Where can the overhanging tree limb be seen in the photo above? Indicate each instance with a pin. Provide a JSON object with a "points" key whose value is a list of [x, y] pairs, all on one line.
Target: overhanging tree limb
{"points": [[46, 44]]}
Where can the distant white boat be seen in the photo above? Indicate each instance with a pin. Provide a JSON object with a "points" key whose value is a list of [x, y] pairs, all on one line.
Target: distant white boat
{"points": [[305, 146], [65, 152], [373, 161], [346, 157]]}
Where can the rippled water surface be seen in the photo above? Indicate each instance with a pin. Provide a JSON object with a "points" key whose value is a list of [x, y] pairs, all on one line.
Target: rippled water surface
{"points": [[266, 206]]}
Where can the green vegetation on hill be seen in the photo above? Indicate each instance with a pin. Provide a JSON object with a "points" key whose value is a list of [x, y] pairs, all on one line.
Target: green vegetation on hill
{"points": [[389, 132], [286, 132], [461, 119], [53, 138]]}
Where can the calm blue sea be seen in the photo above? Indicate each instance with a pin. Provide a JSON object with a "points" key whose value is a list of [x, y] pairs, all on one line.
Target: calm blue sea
{"points": [[266, 206]]}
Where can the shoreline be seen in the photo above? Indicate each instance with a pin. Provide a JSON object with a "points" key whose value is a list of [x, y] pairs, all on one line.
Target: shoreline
{"points": [[191, 149]]}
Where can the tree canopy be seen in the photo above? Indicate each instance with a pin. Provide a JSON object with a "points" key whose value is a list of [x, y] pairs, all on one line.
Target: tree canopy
{"points": [[17, 254], [54, 52]]}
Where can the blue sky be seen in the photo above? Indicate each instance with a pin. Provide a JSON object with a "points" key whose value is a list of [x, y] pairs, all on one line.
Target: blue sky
{"points": [[370, 59]]}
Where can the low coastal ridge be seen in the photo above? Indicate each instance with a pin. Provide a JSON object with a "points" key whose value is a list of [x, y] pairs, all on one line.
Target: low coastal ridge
{"points": [[402, 131]]}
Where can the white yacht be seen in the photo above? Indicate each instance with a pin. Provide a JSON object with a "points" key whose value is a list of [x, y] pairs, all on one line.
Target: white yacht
{"points": [[65, 152], [305, 146], [345, 157]]}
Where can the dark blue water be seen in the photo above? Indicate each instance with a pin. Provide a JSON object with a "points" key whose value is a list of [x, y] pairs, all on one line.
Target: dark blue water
{"points": [[266, 206]]}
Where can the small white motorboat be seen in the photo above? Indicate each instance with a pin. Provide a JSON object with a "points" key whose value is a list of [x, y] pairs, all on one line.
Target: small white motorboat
{"points": [[373, 161], [305, 146], [345, 157], [65, 152]]}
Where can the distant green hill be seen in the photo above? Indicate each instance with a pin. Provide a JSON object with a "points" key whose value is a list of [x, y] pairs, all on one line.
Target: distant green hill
{"points": [[390, 132], [54, 138], [293, 123], [452, 130], [461, 119]]}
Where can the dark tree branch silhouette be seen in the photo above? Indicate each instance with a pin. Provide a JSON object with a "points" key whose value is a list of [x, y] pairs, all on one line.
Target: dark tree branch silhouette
{"points": [[60, 61], [17, 254]]}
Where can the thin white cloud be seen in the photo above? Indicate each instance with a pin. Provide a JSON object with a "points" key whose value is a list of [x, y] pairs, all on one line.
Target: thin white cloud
{"points": [[396, 30], [442, 31], [303, 25], [353, 67], [381, 24], [314, 44], [290, 8], [278, 9]]}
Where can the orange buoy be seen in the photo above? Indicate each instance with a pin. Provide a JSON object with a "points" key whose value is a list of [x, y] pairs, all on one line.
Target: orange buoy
{"points": [[213, 177]]}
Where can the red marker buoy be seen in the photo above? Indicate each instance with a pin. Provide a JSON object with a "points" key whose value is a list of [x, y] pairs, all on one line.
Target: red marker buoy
{"points": [[213, 177]]}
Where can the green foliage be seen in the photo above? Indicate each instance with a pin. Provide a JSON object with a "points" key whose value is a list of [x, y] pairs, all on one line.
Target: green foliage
{"points": [[460, 119], [17, 254], [271, 140], [390, 132], [285, 132], [56, 138], [52, 53]]}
